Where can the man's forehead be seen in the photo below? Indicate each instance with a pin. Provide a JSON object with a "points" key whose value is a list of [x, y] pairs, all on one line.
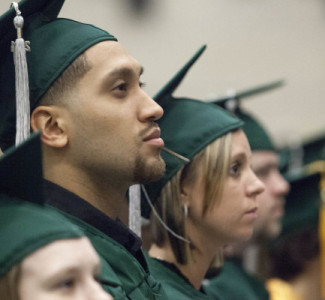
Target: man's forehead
{"points": [[105, 46], [112, 54], [262, 158]]}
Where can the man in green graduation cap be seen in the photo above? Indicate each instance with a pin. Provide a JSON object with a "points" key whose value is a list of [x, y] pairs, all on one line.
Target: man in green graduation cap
{"points": [[99, 134], [235, 282], [297, 255]]}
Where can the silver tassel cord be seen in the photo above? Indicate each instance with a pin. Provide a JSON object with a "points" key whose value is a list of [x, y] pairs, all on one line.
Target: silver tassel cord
{"points": [[19, 48], [135, 209]]}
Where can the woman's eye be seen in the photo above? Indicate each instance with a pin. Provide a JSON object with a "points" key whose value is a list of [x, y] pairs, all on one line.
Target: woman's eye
{"points": [[234, 169], [66, 284]]}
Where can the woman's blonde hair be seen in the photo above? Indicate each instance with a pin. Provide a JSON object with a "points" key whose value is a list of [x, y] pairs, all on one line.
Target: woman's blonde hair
{"points": [[9, 284], [214, 161]]}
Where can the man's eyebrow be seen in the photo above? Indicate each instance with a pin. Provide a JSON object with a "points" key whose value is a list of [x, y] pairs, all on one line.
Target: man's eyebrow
{"points": [[123, 71], [264, 168]]}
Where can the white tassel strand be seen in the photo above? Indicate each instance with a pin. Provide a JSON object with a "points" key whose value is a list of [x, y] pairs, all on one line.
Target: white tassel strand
{"points": [[160, 219], [135, 209], [19, 47]]}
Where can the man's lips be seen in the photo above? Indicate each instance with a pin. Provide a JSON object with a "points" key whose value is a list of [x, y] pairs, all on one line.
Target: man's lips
{"points": [[154, 138], [278, 211]]}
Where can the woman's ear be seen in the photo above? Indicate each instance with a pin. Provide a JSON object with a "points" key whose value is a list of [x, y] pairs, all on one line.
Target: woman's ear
{"points": [[49, 119], [185, 193]]}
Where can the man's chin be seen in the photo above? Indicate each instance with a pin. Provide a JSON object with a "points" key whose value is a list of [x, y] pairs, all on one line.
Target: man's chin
{"points": [[157, 170], [150, 171], [271, 233]]}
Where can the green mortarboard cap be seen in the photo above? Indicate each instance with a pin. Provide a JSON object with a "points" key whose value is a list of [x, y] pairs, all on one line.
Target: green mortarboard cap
{"points": [[258, 137], [224, 101], [26, 226], [295, 155], [55, 43], [305, 207], [21, 170], [284, 160], [314, 150], [187, 127], [164, 95], [302, 203]]}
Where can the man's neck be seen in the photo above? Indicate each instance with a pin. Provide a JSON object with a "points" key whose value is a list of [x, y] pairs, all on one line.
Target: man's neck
{"points": [[102, 194], [235, 250]]}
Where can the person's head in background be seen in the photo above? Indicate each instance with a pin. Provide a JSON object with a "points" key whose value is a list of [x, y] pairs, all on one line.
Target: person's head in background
{"points": [[296, 254], [61, 264], [43, 256], [207, 197], [265, 163], [211, 201], [87, 99]]}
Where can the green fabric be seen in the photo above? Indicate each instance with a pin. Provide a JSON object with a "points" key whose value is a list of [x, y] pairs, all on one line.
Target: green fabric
{"points": [[258, 137], [26, 226], [234, 283], [314, 150], [310, 151], [124, 276], [55, 43], [167, 90], [284, 160], [174, 285], [249, 92], [187, 127], [302, 203], [21, 170]]}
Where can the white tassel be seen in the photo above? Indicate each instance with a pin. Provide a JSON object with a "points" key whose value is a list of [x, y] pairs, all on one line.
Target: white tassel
{"points": [[19, 48], [160, 219], [135, 209]]}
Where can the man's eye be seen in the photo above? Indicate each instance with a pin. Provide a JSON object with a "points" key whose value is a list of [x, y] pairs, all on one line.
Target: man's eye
{"points": [[142, 84], [263, 173], [122, 87]]}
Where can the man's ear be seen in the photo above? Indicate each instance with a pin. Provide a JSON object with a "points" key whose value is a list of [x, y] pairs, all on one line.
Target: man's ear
{"points": [[49, 119]]}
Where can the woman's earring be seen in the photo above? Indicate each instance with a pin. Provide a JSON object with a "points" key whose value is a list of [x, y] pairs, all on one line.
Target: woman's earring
{"points": [[185, 210]]}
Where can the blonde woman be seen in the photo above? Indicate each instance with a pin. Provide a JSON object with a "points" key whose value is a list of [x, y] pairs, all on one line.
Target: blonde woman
{"points": [[206, 199]]}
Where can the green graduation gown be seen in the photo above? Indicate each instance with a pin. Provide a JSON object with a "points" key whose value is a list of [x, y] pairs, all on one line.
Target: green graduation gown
{"points": [[124, 269], [234, 283], [123, 275], [175, 285]]}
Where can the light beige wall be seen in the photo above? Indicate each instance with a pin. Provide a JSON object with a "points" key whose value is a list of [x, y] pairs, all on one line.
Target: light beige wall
{"points": [[249, 43]]}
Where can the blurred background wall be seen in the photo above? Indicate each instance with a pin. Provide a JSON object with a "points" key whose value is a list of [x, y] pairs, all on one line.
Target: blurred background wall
{"points": [[249, 43]]}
